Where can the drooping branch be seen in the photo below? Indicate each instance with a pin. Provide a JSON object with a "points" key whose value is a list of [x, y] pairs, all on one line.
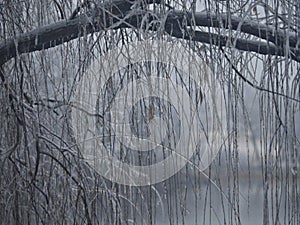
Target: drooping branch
{"points": [[271, 43], [118, 14], [222, 41], [64, 31], [267, 32]]}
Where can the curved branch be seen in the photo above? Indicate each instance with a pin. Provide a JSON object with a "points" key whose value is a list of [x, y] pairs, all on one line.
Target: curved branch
{"points": [[174, 28], [241, 44], [63, 31], [266, 32], [118, 14]]}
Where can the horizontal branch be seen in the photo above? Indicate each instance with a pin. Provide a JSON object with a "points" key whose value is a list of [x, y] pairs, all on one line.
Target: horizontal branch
{"points": [[64, 31], [175, 29], [267, 32], [118, 14]]}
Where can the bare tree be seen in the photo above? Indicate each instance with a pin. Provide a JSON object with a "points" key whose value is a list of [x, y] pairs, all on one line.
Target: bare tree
{"points": [[252, 49]]}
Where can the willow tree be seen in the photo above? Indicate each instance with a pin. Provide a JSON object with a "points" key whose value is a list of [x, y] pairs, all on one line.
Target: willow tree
{"points": [[252, 50]]}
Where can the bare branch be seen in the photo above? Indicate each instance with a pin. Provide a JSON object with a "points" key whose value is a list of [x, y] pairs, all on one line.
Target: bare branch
{"points": [[112, 13], [266, 32]]}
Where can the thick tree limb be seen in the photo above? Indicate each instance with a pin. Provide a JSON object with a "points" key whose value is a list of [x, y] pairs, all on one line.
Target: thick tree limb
{"points": [[118, 14], [63, 31], [268, 33], [223, 41], [174, 28]]}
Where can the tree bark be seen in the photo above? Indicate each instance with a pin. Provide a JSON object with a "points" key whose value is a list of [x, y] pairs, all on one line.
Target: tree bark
{"points": [[118, 14]]}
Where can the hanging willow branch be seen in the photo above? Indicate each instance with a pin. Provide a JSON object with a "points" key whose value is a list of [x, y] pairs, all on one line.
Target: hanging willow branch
{"points": [[122, 14]]}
